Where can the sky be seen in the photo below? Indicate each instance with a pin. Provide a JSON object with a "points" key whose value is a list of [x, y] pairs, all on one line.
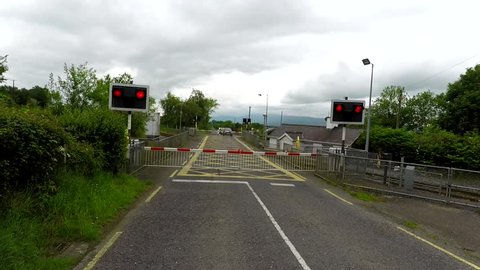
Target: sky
{"points": [[301, 53]]}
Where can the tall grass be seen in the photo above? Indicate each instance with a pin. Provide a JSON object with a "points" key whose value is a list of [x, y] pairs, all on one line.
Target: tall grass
{"points": [[33, 226]]}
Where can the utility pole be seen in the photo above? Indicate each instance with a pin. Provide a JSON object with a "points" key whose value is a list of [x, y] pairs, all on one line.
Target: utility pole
{"points": [[281, 118], [249, 121], [399, 109]]}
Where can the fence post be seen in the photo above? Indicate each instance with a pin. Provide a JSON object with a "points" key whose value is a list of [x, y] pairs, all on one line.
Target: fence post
{"points": [[387, 156], [400, 180], [448, 191]]}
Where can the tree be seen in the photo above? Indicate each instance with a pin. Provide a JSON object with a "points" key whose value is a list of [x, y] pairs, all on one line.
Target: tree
{"points": [[196, 109], [79, 86], [199, 109], [172, 106], [3, 68], [462, 103], [422, 110], [389, 109]]}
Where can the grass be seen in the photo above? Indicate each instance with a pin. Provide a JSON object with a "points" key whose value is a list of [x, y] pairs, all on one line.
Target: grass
{"points": [[366, 197], [33, 227], [410, 224]]}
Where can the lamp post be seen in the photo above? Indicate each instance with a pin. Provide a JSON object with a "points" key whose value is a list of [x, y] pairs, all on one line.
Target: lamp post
{"points": [[367, 140], [265, 122]]}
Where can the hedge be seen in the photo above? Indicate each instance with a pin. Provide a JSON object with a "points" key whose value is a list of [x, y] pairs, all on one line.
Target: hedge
{"points": [[31, 151], [104, 130]]}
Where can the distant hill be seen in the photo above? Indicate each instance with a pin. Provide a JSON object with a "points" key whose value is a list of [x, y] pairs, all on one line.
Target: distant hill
{"points": [[274, 120]]}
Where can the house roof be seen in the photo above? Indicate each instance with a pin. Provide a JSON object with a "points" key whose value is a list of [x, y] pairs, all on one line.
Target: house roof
{"points": [[318, 134]]}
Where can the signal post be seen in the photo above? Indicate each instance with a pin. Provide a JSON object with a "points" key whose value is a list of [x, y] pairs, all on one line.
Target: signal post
{"points": [[130, 98]]}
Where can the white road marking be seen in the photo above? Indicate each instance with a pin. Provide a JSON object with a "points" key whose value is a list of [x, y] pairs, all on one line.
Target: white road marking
{"points": [[285, 238], [209, 181], [474, 266], [338, 197], [282, 185], [280, 231], [153, 194], [102, 251]]}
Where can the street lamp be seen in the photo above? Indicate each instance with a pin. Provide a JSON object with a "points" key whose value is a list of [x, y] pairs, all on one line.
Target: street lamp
{"points": [[367, 140], [265, 121]]}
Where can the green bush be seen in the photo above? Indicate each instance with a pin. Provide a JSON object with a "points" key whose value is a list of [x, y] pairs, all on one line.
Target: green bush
{"points": [[432, 146], [82, 159], [104, 130], [436, 147], [31, 149], [398, 142]]}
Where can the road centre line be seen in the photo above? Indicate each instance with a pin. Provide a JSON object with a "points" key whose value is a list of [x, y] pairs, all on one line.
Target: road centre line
{"points": [[338, 197], [474, 266], [285, 238], [102, 251], [282, 185], [153, 194]]}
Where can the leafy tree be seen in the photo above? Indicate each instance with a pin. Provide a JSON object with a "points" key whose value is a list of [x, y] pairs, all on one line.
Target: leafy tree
{"points": [[462, 103], [389, 109], [422, 110], [198, 109], [3, 67], [40, 96], [399, 142], [172, 107], [79, 86]]}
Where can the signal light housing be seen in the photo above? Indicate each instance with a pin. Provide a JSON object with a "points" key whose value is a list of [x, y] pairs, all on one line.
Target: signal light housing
{"points": [[128, 97], [348, 112]]}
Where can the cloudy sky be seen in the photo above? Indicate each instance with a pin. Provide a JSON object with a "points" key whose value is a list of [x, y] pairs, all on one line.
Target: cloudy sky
{"points": [[301, 53]]}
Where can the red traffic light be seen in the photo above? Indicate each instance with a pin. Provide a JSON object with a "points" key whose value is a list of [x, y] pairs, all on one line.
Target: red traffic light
{"points": [[140, 94], [358, 109], [339, 108], [117, 93]]}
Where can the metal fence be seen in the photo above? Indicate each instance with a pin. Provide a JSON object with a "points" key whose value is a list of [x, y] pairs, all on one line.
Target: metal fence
{"points": [[432, 182], [136, 153]]}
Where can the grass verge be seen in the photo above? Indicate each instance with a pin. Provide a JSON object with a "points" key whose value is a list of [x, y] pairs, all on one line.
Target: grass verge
{"points": [[366, 197], [34, 228]]}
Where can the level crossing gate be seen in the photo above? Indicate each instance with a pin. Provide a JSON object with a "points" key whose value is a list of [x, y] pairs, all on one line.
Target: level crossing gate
{"points": [[228, 159]]}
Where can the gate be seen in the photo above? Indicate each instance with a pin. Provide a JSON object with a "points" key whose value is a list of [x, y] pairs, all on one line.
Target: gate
{"points": [[228, 159]]}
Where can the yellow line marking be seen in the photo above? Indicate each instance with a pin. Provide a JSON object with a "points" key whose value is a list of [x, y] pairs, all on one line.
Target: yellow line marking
{"points": [[338, 197], [187, 167], [102, 251], [153, 194], [297, 174], [173, 174], [295, 177], [474, 266]]}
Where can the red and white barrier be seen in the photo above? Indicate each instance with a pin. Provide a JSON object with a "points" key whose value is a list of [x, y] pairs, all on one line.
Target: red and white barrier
{"points": [[238, 152]]}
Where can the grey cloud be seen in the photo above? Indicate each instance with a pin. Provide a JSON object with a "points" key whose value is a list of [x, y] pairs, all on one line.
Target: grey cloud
{"points": [[224, 37], [345, 82]]}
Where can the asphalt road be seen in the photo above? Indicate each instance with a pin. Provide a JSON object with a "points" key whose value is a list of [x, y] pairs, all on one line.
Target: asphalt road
{"points": [[225, 223]]}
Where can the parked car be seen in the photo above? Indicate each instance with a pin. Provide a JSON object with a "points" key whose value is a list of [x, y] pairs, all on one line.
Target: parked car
{"points": [[225, 131]]}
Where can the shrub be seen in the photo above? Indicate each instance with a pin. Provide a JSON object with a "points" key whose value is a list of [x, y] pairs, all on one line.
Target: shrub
{"points": [[31, 148], [104, 130], [82, 159]]}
